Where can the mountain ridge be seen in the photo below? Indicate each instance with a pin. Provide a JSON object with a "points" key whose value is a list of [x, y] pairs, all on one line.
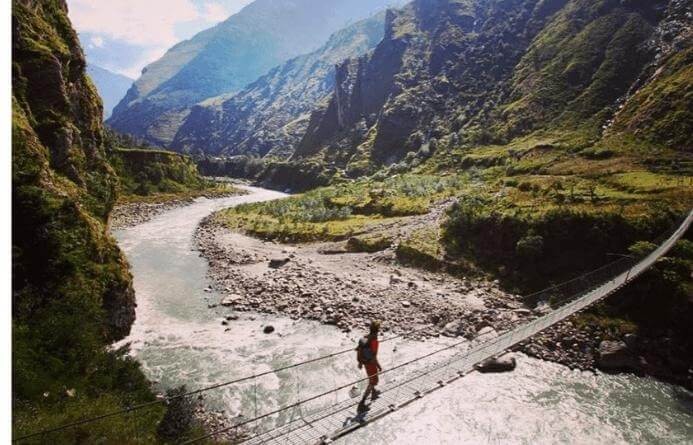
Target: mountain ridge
{"points": [[226, 58], [462, 91], [269, 116]]}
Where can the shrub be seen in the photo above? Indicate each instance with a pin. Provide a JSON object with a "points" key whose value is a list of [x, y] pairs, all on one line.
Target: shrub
{"points": [[179, 419], [530, 246], [368, 244], [597, 153]]}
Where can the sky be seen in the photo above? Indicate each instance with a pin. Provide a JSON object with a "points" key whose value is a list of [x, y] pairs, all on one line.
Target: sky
{"points": [[124, 36]]}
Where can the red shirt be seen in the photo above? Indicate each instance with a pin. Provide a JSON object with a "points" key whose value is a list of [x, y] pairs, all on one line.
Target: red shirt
{"points": [[374, 346]]}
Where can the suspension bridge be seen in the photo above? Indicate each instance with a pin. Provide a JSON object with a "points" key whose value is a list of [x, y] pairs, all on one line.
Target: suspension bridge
{"points": [[326, 416]]}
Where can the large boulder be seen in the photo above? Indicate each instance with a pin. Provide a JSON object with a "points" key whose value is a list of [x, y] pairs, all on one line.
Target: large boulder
{"points": [[615, 356], [504, 363]]}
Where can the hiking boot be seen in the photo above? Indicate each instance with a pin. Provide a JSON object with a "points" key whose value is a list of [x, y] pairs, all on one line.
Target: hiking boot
{"points": [[375, 394]]}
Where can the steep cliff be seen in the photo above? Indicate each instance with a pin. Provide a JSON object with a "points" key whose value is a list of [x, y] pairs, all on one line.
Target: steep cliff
{"points": [[451, 72], [71, 287], [227, 57], [271, 114], [658, 108]]}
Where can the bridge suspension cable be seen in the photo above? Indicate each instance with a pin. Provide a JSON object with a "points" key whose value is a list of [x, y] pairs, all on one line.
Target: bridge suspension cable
{"points": [[618, 275], [205, 389], [564, 290]]}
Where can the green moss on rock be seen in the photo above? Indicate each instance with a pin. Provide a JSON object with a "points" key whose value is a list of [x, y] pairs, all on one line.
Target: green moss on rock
{"points": [[71, 286]]}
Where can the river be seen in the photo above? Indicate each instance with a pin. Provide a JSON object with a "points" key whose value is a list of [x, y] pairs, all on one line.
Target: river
{"points": [[179, 340]]}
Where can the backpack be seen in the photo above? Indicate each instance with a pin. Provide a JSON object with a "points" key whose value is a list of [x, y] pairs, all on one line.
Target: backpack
{"points": [[365, 352]]}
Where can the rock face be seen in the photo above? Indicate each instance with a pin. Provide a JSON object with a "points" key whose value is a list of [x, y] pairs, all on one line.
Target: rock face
{"points": [[449, 71], [226, 58], [270, 115], [71, 285], [615, 356]]}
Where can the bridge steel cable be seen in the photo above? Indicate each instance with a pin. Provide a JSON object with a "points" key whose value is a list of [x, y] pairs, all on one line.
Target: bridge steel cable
{"points": [[204, 389], [633, 271], [501, 343]]}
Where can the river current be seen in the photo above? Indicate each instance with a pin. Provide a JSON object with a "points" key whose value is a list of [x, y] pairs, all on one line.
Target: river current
{"points": [[179, 340]]}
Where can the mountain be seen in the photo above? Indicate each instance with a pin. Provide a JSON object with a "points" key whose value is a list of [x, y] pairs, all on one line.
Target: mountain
{"points": [[71, 287], [111, 87], [271, 114], [456, 72], [226, 58]]}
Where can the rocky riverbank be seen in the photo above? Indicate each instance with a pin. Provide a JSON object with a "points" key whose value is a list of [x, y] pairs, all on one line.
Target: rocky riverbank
{"points": [[130, 214], [323, 282], [349, 289]]}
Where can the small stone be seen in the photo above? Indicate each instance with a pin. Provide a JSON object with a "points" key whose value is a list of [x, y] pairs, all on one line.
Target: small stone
{"points": [[486, 333], [523, 312], [453, 328], [406, 303], [268, 329], [230, 300], [276, 263]]}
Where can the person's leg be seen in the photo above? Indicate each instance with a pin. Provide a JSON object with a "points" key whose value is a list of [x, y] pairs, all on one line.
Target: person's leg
{"points": [[374, 380], [369, 390], [374, 393], [362, 408]]}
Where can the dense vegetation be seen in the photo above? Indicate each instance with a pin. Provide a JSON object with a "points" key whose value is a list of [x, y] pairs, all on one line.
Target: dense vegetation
{"points": [[72, 291], [341, 211]]}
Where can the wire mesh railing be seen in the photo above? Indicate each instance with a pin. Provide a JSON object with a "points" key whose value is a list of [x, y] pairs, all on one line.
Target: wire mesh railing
{"points": [[573, 296]]}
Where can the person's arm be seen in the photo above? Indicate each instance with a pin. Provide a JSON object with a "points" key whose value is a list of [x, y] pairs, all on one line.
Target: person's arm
{"points": [[358, 358]]}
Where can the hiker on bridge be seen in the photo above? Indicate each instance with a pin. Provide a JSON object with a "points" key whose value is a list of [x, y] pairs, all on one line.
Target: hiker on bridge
{"points": [[367, 355]]}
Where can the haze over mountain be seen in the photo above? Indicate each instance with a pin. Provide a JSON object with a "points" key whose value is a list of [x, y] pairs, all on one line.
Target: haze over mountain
{"points": [[111, 86], [271, 114], [229, 56]]}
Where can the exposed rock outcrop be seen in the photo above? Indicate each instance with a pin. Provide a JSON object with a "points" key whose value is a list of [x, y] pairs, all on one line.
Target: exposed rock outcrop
{"points": [[450, 72], [271, 115], [70, 282], [227, 57]]}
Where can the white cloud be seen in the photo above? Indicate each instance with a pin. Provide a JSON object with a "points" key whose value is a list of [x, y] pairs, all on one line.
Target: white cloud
{"points": [[146, 23], [134, 70], [214, 13], [152, 25], [96, 41]]}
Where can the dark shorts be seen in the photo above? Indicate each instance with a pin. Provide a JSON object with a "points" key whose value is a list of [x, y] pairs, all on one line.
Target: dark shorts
{"points": [[372, 371]]}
